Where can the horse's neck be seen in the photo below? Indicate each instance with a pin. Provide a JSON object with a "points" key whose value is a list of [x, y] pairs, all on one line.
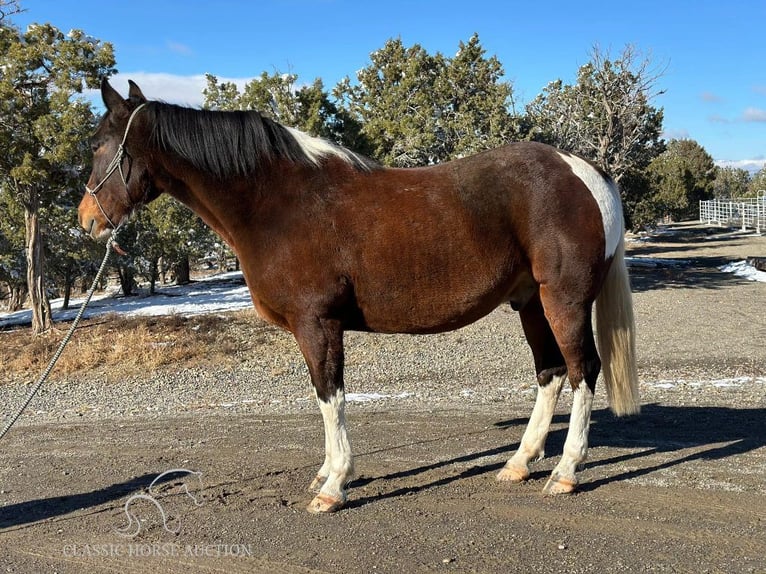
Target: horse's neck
{"points": [[233, 209]]}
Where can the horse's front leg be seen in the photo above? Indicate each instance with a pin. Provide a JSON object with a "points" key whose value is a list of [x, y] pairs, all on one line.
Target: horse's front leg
{"points": [[321, 342]]}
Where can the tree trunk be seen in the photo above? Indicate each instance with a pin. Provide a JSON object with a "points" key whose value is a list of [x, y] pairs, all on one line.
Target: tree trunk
{"points": [[126, 280], [68, 281], [183, 272], [16, 296], [162, 271], [222, 259], [154, 272], [38, 298]]}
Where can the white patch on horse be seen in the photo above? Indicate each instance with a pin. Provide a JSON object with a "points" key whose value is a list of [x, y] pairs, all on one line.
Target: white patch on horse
{"points": [[317, 148], [576, 444], [607, 197], [532, 445], [338, 466]]}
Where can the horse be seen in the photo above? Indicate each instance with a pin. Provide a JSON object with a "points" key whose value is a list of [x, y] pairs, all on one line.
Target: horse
{"points": [[331, 241]]}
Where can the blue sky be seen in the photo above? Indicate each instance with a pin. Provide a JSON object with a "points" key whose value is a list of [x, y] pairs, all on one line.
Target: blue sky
{"points": [[713, 52]]}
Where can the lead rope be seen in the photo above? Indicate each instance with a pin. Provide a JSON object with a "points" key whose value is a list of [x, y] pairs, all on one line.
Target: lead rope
{"points": [[46, 373]]}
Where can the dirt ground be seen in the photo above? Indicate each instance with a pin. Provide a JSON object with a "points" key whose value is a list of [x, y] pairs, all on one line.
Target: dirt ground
{"points": [[680, 488]]}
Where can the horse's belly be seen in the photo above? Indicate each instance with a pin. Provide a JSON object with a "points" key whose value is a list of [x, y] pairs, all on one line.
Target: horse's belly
{"points": [[439, 303]]}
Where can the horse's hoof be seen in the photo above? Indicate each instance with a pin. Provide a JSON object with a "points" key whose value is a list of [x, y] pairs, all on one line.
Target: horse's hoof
{"points": [[512, 474], [324, 503], [559, 485], [317, 484]]}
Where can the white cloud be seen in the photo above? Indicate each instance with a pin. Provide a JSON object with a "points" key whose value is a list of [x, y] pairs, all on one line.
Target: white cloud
{"points": [[750, 114], [711, 98], [716, 119], [179, 48], [751, 165], [754, 115]]}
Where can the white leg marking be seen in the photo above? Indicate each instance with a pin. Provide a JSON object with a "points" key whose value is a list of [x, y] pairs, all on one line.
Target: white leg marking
{"points": [[563, 478], [532, 445], [338, 466], [607, 197], [324, 470]]}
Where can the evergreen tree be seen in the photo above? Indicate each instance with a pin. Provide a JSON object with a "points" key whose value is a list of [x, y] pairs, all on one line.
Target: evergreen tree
{"points": [[730, 182], [757, 184], [274, 96], [69, 253], [415, 108], [43, 129], [477, 101], [394, 103], [681, 177]]}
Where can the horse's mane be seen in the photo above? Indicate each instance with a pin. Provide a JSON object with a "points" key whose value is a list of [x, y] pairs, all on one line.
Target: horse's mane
{"points": [[238, 143]]}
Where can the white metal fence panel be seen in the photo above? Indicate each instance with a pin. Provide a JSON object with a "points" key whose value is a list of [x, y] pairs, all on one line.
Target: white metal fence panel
{"points": [[744, 212]]}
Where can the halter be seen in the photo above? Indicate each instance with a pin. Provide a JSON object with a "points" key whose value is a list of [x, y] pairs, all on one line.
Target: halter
{"points": [[114, 165]]}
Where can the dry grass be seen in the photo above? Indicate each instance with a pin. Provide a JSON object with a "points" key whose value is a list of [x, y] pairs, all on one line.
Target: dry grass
{"points": [[130, 346]]}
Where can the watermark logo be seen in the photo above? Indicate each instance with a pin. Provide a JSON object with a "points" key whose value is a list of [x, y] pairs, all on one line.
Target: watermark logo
{"points": [[131, 550], [133, 527]]}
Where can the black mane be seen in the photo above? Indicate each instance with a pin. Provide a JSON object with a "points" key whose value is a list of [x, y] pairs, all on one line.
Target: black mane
{"points": [[230, 143]]}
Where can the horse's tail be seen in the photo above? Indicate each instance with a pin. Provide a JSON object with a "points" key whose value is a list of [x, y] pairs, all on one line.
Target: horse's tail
{"points": [[616, 334]]}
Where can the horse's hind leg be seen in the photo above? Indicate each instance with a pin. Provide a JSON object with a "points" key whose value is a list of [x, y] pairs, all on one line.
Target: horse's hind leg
{"points": [[551, 372], [571, 325], [321, 342]]}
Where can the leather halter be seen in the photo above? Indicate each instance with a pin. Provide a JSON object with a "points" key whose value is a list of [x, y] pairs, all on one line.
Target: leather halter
{"points": [[114, 165]]}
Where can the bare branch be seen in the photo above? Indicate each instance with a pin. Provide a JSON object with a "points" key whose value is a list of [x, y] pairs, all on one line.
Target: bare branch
{"points": [[8, 8]]}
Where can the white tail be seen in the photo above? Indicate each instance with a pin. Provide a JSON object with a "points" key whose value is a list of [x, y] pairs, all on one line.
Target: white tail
{"points": [[616, 334]]}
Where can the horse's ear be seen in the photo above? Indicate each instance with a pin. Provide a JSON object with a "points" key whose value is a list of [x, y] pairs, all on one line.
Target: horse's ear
{"points": [[112, 99], [135, 93]]}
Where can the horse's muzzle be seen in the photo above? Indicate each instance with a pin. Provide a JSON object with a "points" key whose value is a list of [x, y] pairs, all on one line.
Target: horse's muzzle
{"points": [[89, 217]]}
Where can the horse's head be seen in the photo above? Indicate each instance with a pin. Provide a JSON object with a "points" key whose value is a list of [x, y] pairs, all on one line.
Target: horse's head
{"points": [[119, 181]]}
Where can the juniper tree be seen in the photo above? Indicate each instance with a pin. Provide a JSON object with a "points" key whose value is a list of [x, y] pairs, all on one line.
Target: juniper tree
{"points": [[730, 182], [680, 177], [415, 108], [43, 130]]}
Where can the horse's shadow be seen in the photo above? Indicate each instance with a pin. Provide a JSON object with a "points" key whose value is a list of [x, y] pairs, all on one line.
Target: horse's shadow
{"points": [[713, 433], [23, 513]]}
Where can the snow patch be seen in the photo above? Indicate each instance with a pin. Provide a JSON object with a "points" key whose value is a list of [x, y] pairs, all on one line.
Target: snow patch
{"points": [[733, 382], [743, 269], [664, 385], [214, 294], [368, 397]]}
